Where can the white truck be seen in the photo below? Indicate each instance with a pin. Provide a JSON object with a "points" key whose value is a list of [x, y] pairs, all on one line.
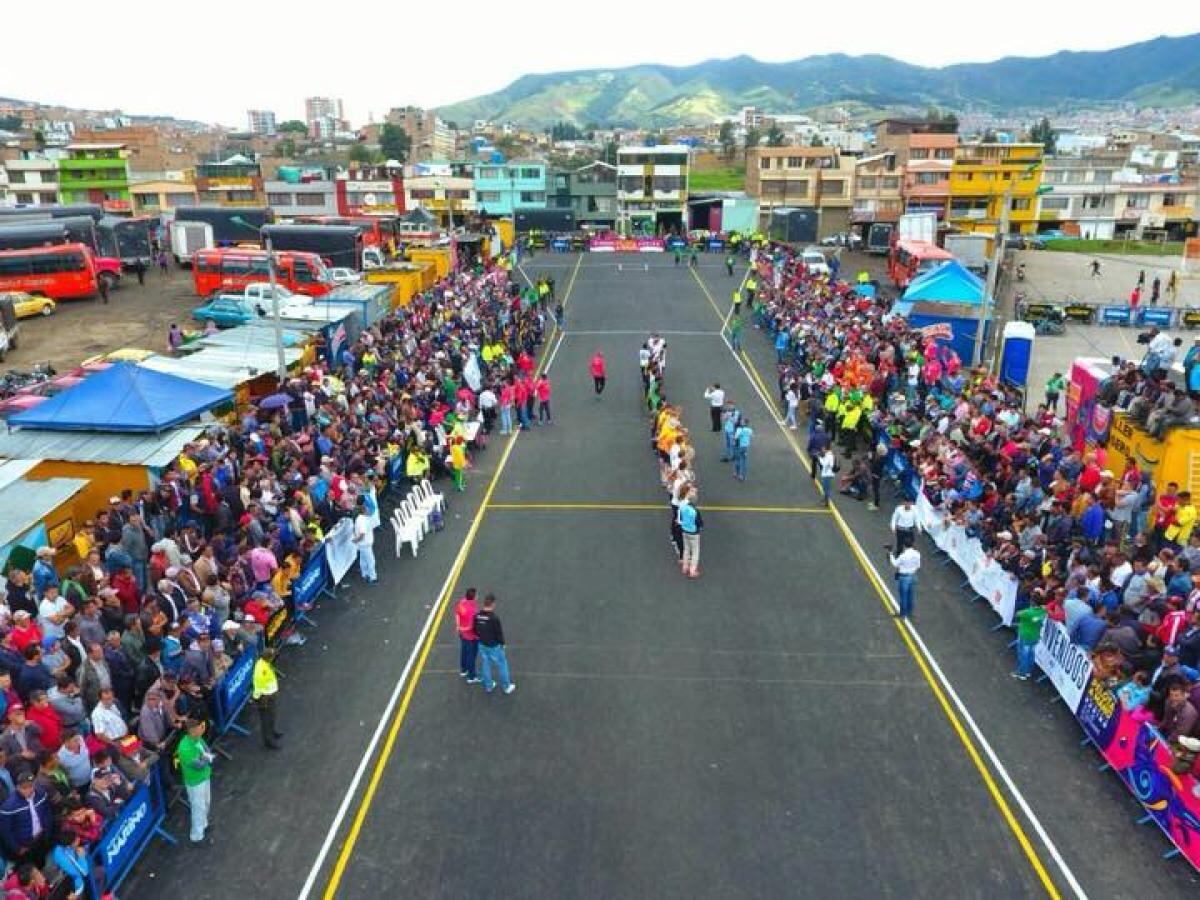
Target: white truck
{"points": [[187, 237], [971, 250]]}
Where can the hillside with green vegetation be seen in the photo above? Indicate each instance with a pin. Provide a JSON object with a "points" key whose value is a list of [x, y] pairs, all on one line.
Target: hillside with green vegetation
{"points": [[652, 96]]}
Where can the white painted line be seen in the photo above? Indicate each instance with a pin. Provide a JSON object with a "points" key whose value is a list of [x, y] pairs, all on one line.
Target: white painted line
{"points": [[646, 332], [999, 767]]}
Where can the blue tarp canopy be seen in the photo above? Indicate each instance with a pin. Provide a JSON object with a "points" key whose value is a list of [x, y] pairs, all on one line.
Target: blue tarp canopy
{"points": [[124, 397], [948, 283]]}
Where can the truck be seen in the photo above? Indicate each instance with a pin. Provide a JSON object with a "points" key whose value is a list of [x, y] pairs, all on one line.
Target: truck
{"points": [[231, 225], [793, 225], [187, 237], [917, 227], [338, 245], [971, 250], [879, 238]]}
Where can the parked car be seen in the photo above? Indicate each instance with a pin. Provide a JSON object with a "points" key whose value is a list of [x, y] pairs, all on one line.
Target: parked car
{"points": [[28, 305], [814, 260], [842, 239], [228, 310], [342, 275]]}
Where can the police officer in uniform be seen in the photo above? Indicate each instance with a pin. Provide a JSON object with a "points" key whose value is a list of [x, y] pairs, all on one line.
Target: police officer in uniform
{"points": [[266, 688]]}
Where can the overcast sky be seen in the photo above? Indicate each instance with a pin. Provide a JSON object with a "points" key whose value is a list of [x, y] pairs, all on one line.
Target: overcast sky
{"points": [[214, 59]]}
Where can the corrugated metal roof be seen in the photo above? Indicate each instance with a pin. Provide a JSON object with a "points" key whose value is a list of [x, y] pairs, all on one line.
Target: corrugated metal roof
{"points": [[25, 503], [154, 450], [14, 470], [225, 367]]}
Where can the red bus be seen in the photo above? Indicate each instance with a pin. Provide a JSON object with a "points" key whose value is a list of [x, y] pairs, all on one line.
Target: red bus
{"points": [[909, 258], [230, 269], [62, 272]]}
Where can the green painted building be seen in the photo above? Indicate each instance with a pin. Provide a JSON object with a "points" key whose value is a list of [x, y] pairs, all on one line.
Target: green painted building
{"points": [[96, 173]]}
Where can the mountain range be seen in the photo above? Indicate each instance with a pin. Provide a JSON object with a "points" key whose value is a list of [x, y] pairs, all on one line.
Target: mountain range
{"points": [[1164, 71]]}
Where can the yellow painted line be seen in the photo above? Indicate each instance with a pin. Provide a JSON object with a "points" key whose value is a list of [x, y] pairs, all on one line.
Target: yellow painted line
{"points": [[364, 807], [656, 507], [956, 723]]}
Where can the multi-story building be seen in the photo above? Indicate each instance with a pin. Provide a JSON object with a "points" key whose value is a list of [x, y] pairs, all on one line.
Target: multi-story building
{"points": [[31, 182], [158, 195], [148, 148], [819, 178], [261, 121], [878, 184], [590, 192], [449, 198], [237, 181], [652, 188], [986, 176], [503, 188], [930, 157], [1163, 207], [323, 115], [95, 173], [1083, 191], [431, 137], [315, 197]]}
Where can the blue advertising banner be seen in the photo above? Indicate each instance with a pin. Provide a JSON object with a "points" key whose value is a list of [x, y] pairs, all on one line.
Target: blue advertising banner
{"points": [[560, 245], [676, 243], [234, 689], [1156, 315], [125, 837], [1115, 315], [311, 580], [715, 245]]}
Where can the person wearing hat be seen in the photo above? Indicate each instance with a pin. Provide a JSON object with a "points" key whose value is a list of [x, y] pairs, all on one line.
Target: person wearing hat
{"points": [[364, 540], [195, 760], [266, 688], [26, 821]]}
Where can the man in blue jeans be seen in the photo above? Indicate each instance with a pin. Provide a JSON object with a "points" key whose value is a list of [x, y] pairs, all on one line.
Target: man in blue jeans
{"points": [[490, 634], [742, 438], [1029, 633], [906, 566]]}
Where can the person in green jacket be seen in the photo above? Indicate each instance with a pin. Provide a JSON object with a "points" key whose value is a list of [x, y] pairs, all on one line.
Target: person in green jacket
{"points": [[1054, 387], [735, 332], [1029, 632], [195, 760]]}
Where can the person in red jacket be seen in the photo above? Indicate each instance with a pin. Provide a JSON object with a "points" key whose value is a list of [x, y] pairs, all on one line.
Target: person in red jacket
{"points": [[464, 619], [25, 631], [599, 372], [46, 718], [541, 389]]}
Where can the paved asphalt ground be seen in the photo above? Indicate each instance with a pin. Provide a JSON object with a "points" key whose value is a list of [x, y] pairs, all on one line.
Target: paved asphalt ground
{"points": [[765, 731]]}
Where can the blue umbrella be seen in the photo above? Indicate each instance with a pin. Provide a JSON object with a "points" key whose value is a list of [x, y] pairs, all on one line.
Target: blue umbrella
{"points": [[274, 401]]}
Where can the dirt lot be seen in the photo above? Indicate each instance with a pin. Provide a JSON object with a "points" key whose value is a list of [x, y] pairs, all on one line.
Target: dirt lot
{"points": [[136, 316]]}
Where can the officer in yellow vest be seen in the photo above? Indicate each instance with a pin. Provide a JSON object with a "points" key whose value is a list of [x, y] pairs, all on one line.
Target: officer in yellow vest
{"points": [[266, 688], [833, 401]]}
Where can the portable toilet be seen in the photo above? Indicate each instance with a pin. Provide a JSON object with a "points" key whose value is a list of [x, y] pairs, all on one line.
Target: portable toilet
{"points": [[1016, 353]]}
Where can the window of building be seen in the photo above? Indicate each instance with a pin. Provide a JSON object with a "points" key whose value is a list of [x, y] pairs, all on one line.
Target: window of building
{"points": [[918, 153], [764, 162], [835, 188], [1138, 201], [629, 183], [533, 196], [1092, 201], [1020, 204], [1058, 203], [310, 199], [24, 197], [795, 162], [927, 178], [967, 176], [177, 200], [489, 172], [279, 199], [560, 183], [890, 182], [16, 177], [530, 174], [1173, 200], [489, 196], [943, 153], [458, 194], [667, 182], [867, 182], [422, 193]]}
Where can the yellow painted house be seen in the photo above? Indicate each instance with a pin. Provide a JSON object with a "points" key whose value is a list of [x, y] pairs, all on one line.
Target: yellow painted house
{"points": [[983, 175]]}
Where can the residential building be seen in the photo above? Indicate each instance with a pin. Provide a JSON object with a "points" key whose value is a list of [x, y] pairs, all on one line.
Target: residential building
{"points": [[148, 148], [985, 176], [302, 198], [96, 173], [161, 195], [503, 188], [261, 121], [1160, 207], [371, 190], [652, 188], [878, 189], [928, 158], [323, 115], [236, 181], [819, 178], [450, 198], [431, 137], [31, 182], [590, 192], [1083, 192], [900, 136]]}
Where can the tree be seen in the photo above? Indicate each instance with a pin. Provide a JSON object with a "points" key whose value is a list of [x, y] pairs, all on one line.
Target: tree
{"points": [[287, 148], [725, 137], [293, 125], [816, 141], [394, 142], [1042, 133], [753, 138], [361, 153], [776, 137]]}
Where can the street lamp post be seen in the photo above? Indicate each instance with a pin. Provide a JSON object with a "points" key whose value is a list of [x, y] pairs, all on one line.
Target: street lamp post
{"points": [[280, 359]]}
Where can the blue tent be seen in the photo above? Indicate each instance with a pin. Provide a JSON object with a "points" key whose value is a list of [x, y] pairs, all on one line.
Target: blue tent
{"points": [[124, 397], [948, 283]]}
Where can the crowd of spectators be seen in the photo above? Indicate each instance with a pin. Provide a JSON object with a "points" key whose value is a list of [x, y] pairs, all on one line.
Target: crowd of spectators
{"points": [[102, 662], [1102, 552]]}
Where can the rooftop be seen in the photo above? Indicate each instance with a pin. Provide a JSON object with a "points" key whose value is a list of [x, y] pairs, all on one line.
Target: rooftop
{"points": [[24, 503]]}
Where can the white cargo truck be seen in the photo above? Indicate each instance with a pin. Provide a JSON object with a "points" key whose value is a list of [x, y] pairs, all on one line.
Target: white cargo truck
{"points": [[187, 237]]}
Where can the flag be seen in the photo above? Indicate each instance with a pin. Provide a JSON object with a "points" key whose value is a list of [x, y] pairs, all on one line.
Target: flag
{"points": [[472, 374]]}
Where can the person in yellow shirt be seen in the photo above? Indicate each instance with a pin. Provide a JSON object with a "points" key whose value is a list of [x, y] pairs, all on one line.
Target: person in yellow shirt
{"points": [[266, 689], [1185, 521], [186, 464], [85, 540]]}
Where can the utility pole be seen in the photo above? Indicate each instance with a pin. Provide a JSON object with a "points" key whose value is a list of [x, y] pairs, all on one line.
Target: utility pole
{"points": [[993, 278], [280, 359]]}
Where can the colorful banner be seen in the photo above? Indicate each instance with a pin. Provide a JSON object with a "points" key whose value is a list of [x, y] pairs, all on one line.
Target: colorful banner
{"points": [[1141, 758], [626, 245], [1067, 665]]}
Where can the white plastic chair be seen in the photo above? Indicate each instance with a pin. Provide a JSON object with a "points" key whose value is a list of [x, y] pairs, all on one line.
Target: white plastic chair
{"points": [[413, 511], [431, 498], [408, 531]]}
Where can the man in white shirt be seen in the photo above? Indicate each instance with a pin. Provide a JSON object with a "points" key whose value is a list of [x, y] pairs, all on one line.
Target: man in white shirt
{"points": [[792, 400], [715, 396], [487, 406], [107, 722], [53, 612], [905, 524], [906, 566], [364, 539]]}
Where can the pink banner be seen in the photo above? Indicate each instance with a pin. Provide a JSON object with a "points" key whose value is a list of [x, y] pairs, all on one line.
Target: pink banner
{"points": [[626, 245]]}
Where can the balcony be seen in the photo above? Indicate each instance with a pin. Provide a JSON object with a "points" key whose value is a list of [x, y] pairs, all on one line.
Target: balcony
{"points": [[94, 184], [89, 162]]}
